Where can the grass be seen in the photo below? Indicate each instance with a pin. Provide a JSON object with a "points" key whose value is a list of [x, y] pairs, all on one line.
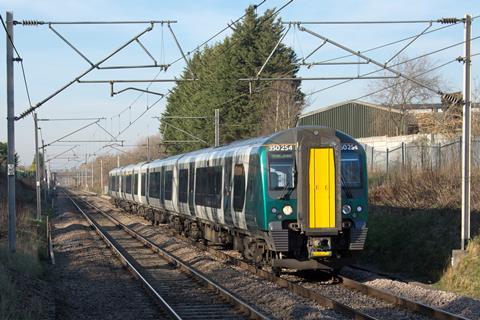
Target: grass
{"points": [[416, 243], [464, 278], [414, 223], [23, 289]]}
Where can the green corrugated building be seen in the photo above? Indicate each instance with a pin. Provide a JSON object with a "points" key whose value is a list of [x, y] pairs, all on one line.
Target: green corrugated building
{"points": [[358, 119]]}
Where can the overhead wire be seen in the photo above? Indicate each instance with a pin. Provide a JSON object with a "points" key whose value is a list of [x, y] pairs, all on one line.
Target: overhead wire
{"points": [[395, 42], [338, 58], [415, 76], [198, 47], [145, 111], [394, 65], [188, 54], [201, 45], [273, 14]]}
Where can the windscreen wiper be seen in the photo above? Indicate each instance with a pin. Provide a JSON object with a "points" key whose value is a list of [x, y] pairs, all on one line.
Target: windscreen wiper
{"points": [[348, 191], [286, 195]]}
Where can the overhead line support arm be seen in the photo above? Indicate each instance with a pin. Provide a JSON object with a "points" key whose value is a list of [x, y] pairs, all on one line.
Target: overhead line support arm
{"points": [[368, 59], [31, 109]]}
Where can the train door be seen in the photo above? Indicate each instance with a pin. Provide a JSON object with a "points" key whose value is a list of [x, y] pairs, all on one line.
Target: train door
{"points": [[147, 186], [321, 185], [191, 188], [227, 190], [162, 187]]}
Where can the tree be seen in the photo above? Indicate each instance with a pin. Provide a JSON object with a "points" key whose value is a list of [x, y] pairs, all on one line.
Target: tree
{"points": [[34, 163], [4, 156], [243, 105], [399, 93]]}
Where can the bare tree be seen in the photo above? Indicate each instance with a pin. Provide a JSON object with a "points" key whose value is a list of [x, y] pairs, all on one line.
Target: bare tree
{"points": [[399, 93], [476, 108], [282, 106], [105, 163]]}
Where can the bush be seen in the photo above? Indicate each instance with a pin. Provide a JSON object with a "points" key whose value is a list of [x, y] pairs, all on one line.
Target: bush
{"points": [[414, 221], [464, 278]]}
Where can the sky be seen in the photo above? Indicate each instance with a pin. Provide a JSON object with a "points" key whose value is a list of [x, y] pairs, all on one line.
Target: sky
{"points": [[49, 63]]}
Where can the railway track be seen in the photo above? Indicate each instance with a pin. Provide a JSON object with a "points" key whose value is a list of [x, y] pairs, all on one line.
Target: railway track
{"points": [[312, 292], [181, 291]]}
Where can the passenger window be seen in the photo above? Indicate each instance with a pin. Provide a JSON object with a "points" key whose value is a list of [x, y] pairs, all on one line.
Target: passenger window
{"points": [[168, 184], [208, 187], [154, 190], [183, 185], [128, 184], [238, 187]]}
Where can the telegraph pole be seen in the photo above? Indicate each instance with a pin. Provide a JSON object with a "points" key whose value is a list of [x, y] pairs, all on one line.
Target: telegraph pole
{"points": [[466, 134], [101, 176], [92, 175], [148, 148], [44, 173], [37, 169], [217, 127], [11, 137]]}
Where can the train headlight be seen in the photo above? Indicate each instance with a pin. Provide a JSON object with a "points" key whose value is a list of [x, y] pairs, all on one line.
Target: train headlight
{"points": [[287, 210], [359, 209], [346, 209]]}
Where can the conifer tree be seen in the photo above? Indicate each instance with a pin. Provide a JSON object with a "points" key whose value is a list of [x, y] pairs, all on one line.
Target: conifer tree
{"points": [[243, 106]]}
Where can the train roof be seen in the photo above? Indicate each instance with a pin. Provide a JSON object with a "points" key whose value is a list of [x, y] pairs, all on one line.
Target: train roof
{"points": [[277, 137]]}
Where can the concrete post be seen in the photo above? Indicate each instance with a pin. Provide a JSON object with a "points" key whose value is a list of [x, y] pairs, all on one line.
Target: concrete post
{"points": [[12, 232]]}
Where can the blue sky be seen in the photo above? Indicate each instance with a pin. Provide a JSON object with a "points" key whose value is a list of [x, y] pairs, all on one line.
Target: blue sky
{"points": [[50, 63]]}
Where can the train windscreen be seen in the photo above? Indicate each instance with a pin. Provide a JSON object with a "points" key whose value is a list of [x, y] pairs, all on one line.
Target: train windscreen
{"points": [[351, 170], [281, 170]]}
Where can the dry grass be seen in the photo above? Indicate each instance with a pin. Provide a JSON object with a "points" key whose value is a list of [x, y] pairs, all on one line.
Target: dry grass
{"points": [[414, 221], [22, 288], [425, 189], [464, 278]]}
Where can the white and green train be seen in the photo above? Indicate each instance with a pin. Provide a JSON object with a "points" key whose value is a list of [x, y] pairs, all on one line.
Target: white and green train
{"points": [[294, 199]]}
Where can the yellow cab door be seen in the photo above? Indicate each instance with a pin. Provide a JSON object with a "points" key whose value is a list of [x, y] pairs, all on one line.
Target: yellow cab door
{"points": [[321, 213]]}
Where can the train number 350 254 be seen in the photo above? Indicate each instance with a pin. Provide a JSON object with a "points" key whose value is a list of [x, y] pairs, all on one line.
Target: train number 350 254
{"points": [[349, 147], [280, 147]]}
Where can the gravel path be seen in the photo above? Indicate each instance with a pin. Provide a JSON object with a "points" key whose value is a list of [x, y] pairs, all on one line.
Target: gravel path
{"points": [[451, 302], [89, 281]]}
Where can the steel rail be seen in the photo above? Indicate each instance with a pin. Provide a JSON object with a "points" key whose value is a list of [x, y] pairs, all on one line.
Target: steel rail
{"points": [[432, 312], [408, 304], [402, 302], [229, 296], [125, 261], [295, 288]]}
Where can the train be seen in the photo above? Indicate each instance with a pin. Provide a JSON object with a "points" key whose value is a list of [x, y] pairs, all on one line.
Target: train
{"points": [[296, 199]]}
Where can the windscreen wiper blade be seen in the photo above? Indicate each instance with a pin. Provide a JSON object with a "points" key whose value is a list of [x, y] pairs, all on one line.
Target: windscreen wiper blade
{"points": [[347, 190]]}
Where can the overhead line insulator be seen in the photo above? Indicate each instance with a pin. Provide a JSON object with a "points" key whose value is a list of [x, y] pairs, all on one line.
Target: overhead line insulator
{"points": [[32, 22], [449, 20]]}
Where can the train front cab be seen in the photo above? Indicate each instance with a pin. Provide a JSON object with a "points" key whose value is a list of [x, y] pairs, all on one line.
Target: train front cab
{"points": [[319, 236]]}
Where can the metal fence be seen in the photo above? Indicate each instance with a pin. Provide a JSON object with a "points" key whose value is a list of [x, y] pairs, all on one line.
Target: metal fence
{"points": [[419, 155]]}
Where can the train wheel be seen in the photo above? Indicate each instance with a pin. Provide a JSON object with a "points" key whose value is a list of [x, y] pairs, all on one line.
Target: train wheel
{"points": [[195, 232], [277, 271], [253, 251]]}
